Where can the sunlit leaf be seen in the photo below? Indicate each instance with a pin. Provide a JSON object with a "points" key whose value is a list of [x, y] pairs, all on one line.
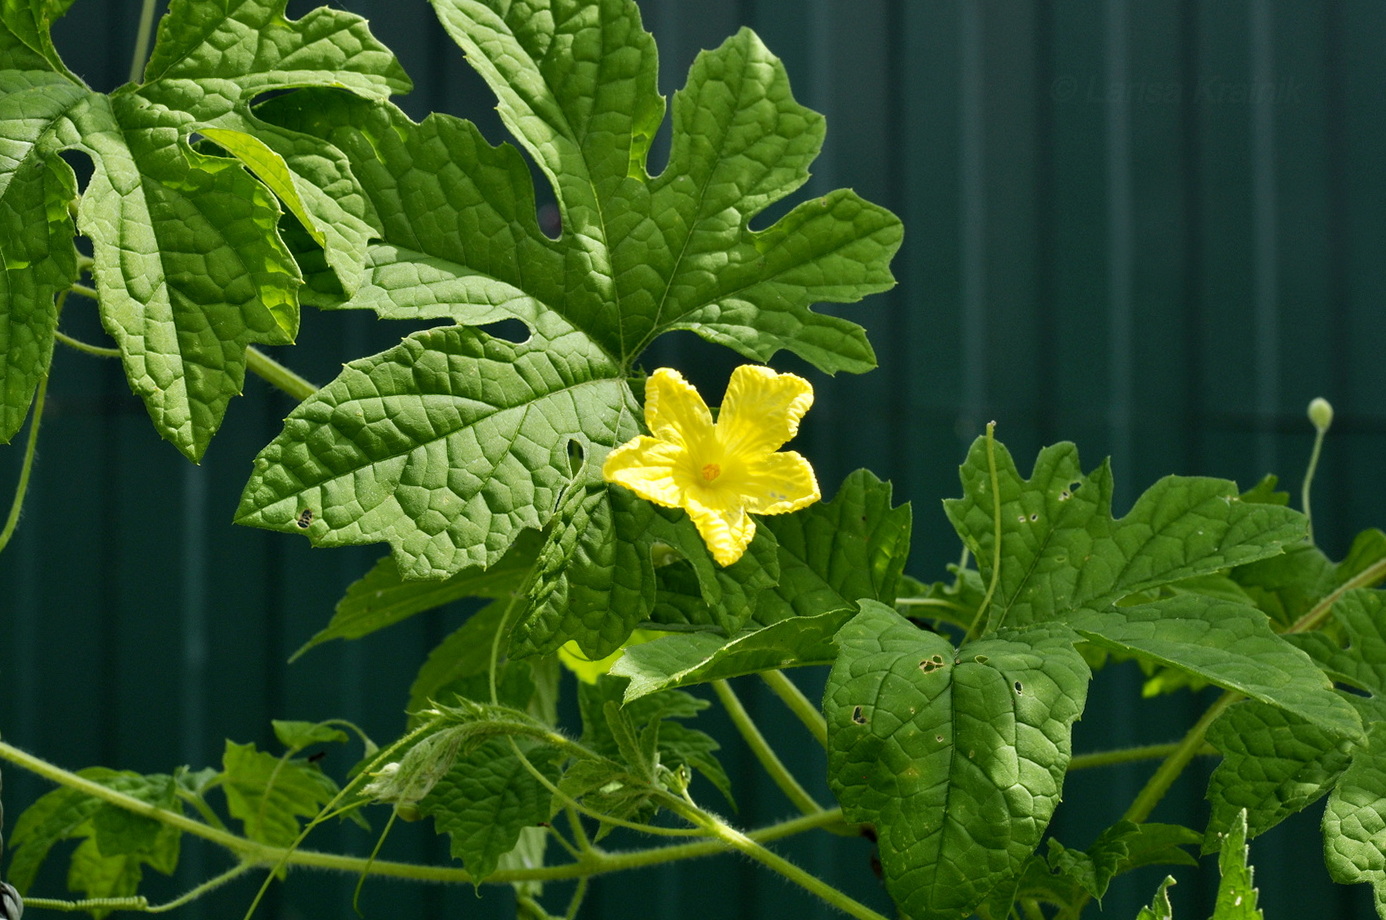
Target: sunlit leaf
{"points": [[955, 756], [447, 446], [1061, 548]]}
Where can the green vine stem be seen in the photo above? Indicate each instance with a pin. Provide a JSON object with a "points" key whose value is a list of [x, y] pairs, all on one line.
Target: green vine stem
{"points": [[256, 361], [983, 609], [748, 846], [1174, 764], [1368, 577], [1321, 417], [800, 705], [277, 375], [1180, 754], [27, 465], [85, 347], [142, 40], [139, 902], [1129, 755], [254, 854], [763, 751]]}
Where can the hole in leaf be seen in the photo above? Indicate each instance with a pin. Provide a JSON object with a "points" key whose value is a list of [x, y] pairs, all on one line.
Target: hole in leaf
{"points": [[576, 454], [305, 518], [931, 664], [981, 659], [1018, 688], [510, 330], [1033, 518], [858, 716], [550, 220]]}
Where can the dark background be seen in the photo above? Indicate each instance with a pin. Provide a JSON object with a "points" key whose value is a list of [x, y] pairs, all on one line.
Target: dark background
{"points": [[1154, 229]]}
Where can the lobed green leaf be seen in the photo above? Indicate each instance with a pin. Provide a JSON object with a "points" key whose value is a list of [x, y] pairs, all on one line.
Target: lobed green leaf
{"points": [[638, 255], [447, 446], [594, 581], [1354, 823], [1236, 899], [116, 844], [1274, 763], [269, 794], [1227, 644], [955, 756], [37, 258], [188, 264], [1062, 549], [488, 798]]}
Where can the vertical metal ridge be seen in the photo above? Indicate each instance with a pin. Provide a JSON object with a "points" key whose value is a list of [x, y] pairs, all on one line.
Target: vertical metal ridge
{"points": [[192, 614], [1264, 231], [823, 40], [972, 222], [1192, 194], [1046, 230], [1120, 236]]}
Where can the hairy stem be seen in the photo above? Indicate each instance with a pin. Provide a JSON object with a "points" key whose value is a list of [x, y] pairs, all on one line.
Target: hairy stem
{"points": [[138, 902], [1175, 763], [27, 466], [1128, 755], [763, 751], [746, 845], [85, 347], [800, 705], [1371, 575], [254, 854], [277, 375]]}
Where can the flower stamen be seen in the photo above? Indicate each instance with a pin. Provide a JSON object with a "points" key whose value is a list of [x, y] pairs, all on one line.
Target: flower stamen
{"points": [[711, 471]]}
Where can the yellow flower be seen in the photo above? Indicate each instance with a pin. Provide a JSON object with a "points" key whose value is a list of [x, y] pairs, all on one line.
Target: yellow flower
{"points": [[720, 472]]}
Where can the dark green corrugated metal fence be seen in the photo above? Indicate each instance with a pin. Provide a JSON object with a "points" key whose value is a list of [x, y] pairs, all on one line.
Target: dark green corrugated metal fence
{"points": [[1156, 229]]}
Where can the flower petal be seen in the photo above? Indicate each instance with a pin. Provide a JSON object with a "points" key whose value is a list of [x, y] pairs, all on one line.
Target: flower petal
{"points": [[674, 411], [727, 530], [646, 466], [778, 483], [761, 410]]}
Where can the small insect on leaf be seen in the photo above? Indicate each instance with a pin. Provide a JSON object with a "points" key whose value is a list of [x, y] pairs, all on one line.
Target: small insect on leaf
{"points": [[305, 518]]}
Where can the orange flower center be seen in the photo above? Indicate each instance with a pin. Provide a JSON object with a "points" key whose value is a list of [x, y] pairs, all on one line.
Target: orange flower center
{"points": [[711, 471]]}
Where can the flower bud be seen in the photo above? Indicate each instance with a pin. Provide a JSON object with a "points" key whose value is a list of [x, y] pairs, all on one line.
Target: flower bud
{"points": [[1320, 413]]}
